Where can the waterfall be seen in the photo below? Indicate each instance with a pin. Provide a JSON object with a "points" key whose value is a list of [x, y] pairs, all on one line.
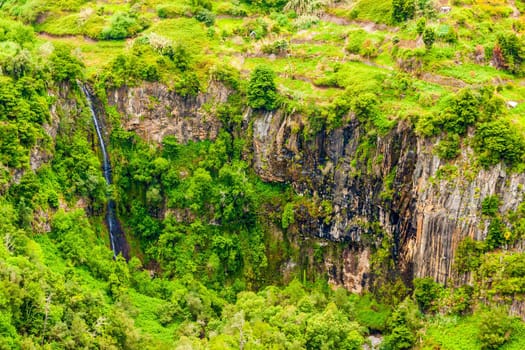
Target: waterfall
{"points": [[116, 236]]}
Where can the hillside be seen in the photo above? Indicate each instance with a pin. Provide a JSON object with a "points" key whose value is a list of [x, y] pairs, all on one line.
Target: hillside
{"points": [[199, 174]]}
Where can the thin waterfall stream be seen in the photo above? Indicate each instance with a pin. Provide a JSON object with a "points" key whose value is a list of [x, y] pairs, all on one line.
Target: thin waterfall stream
{"points": [[116, 235]]}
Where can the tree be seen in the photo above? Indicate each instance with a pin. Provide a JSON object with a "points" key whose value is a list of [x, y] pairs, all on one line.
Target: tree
{"points": [[429, 36], [332, 330], [262, 90], [494, 329], [421, 25], [426, 291], [64, 66], [510, 48], [498, 140], [495, 236], [402, 10], [403, 323]]}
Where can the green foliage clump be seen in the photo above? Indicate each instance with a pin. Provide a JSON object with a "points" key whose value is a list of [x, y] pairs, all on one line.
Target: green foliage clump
{"points": [[188, 85], [253, 29], [267, 5], [277, 47], [288, 217], [205, 16], [141, 64], [495, 329], [64, 66], [429, 36], [426, 293], [420, 25], [331, 329], [509, 52], [449, 147], [15, 32], [468, 255], [173, 10], [495, 235], [262, 90], [402, 10], [462, 112], [123, 25], [23, 110], [497, 141], [227, 75], [356, 39], [490, 206], [403, 324], [372, 314]]}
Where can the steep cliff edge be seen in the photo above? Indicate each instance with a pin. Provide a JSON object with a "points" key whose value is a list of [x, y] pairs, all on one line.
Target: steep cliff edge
{"points": [[426, 205], [380, 186], [153, 111]]}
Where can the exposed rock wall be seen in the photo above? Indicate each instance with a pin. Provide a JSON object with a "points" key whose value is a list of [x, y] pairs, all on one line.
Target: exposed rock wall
{"points": [[395, 184], [153, 111], [449, 209], [427, 211]]}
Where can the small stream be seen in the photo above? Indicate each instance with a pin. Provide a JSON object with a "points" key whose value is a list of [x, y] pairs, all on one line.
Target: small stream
{"points": [[116, 235]]}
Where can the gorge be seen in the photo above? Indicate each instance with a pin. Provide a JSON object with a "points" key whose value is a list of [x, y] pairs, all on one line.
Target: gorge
{"points": [[202, 174]]}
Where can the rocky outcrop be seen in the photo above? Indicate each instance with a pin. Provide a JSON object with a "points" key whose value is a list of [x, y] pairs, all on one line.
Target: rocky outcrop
{"points": [[154, 111], [393, 182], [448, 207], [380, 186]]}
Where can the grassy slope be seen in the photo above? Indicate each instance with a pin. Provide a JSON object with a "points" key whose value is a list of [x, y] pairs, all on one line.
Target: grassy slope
{"points": [[313, 50]]}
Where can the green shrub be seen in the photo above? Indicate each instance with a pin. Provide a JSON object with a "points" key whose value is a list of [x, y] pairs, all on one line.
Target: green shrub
{"points": [[123, 25], [205, 16], [490, 206], [288, 217], [426, 293], [461, 300], [204, 4], [468, 255], [228, 75], [403, 324], [446, 33], [496, 234], [512, 50], [179, 55], [262, 90], [365, 107], [401, 338], [173, 10], [462, 112], [277, 47], [421, 24], [64, 66], [355, 41], [494, 329], [16, 32], [253, 28], [372, 314], [497, 141], [429, 36], [402, 10], [449, 147], [188, 85]]}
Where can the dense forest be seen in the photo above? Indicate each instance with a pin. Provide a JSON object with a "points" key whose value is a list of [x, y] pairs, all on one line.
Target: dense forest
{"points": [[298, 174]]}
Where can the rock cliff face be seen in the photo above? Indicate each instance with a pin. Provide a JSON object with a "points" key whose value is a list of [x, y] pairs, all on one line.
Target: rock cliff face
{"points": [[426, 205], [153, 111], [379, 185]]}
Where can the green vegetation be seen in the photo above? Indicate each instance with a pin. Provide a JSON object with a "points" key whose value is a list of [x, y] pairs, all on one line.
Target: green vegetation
{"points": [[221, 259], [262, 91]]}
